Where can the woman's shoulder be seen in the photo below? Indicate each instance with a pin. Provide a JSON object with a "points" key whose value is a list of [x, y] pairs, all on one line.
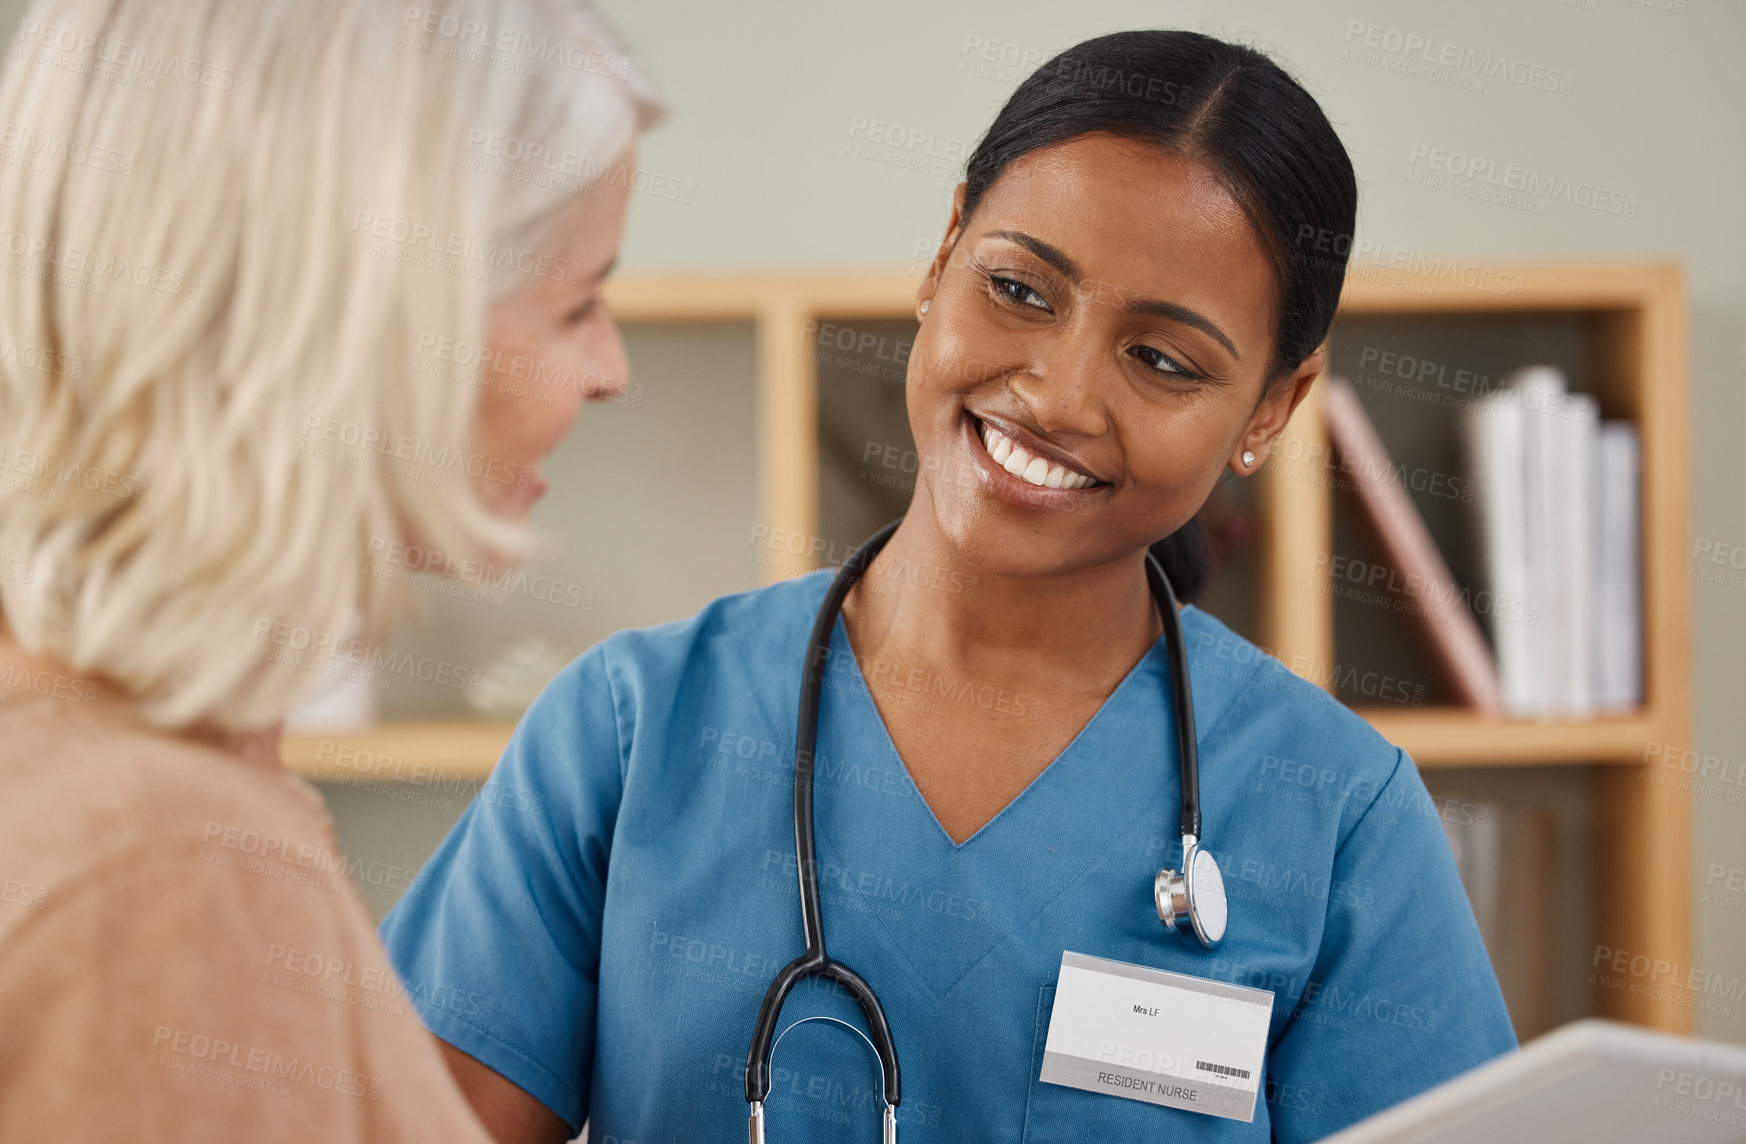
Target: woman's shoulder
{"points": [[188, 915], [88, 793]]}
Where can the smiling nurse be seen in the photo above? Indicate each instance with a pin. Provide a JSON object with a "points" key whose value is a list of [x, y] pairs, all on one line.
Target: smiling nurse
{"points": [[1117, 314]]}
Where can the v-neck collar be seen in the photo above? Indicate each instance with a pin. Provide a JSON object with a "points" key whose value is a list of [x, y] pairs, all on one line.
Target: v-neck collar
{"points": [[894, 876], [862, 696]]}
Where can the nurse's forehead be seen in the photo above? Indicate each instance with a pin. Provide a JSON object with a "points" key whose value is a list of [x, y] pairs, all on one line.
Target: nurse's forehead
{"points": [[1133, 213]]}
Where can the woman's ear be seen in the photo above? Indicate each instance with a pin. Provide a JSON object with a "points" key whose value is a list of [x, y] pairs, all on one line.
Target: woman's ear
{"points": [[931, 283], [1277, 405]]}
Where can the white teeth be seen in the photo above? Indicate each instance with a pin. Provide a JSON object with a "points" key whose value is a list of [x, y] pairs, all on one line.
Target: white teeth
{"points": [[1031, 469]]}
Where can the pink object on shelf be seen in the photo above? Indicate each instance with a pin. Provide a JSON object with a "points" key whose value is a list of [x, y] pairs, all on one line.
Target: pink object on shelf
{"points": [[1449, 627]]}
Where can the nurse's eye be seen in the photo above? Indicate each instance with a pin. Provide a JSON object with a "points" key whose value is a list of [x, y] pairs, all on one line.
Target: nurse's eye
{"points": [[1016, 293], [1163, 363]]}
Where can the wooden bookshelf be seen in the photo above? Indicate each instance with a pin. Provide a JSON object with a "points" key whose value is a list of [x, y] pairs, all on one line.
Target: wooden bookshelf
{"points": [[1636, 317]]}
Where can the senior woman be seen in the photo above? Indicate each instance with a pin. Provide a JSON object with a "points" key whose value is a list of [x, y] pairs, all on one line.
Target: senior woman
{"points": [[232, 229], [1124, 307]]}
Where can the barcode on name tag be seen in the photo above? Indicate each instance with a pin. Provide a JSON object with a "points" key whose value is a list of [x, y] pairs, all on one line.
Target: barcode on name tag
{"points": [[1222, 1070]]}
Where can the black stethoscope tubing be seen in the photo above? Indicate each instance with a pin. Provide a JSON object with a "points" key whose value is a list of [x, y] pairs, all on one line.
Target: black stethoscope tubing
{"points": [[816, 962]]}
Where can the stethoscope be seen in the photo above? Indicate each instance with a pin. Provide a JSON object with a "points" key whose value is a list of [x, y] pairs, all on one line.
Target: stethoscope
{"points": [[1192, 898]]}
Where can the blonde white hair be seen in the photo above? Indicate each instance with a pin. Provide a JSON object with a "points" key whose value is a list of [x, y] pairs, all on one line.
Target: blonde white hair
{"points": [[226, 221]]}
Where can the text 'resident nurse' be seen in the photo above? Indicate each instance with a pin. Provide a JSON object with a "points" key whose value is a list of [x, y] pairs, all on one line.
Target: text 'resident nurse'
{"points": [[1138, 271]]}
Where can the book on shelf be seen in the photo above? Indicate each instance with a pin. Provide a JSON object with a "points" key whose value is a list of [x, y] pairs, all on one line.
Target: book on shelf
{"points": [[1557, 512], [1433, 598], [1617, 677], [1508, 852]]}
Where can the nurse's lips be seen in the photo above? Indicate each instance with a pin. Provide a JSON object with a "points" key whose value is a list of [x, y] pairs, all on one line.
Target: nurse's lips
{"points": [[1018, 468]]}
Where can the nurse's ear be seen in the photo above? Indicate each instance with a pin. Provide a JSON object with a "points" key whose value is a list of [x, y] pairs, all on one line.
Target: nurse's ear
{"points": [[1275, 408], [954, 229]]}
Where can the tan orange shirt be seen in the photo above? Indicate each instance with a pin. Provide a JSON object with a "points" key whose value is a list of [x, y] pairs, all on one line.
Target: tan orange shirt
{"points": [[182, 957]]}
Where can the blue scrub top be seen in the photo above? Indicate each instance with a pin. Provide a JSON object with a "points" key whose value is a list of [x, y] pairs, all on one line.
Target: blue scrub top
{"points": [[602, 923]]}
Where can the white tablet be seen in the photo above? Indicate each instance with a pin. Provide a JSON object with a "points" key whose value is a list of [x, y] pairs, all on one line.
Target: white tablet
{"points": [[1590, 1082]]}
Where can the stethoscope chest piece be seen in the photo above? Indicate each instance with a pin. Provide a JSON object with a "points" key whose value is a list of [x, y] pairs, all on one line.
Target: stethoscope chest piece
{"points": [[1193, 898]]}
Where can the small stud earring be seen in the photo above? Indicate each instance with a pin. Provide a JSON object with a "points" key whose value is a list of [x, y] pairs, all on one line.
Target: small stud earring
{"points": [[1248, 459], [925, 304]]}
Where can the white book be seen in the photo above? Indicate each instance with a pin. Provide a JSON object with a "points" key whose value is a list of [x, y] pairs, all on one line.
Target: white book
{"points": [[1616, 608], [1576, 431], [1495, 429], [1542, 392]]}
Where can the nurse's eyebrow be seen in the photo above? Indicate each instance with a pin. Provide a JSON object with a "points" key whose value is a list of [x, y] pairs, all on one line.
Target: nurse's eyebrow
{"points": [[1182, 314], [1050, 254], [1170, 311]]}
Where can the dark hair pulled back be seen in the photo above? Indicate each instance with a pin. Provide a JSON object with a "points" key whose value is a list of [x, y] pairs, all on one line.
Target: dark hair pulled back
{"points": [[1235, 110]]}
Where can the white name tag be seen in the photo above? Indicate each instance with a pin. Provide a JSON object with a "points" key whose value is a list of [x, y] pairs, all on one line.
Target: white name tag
{"points": [[1142, 1033]]}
